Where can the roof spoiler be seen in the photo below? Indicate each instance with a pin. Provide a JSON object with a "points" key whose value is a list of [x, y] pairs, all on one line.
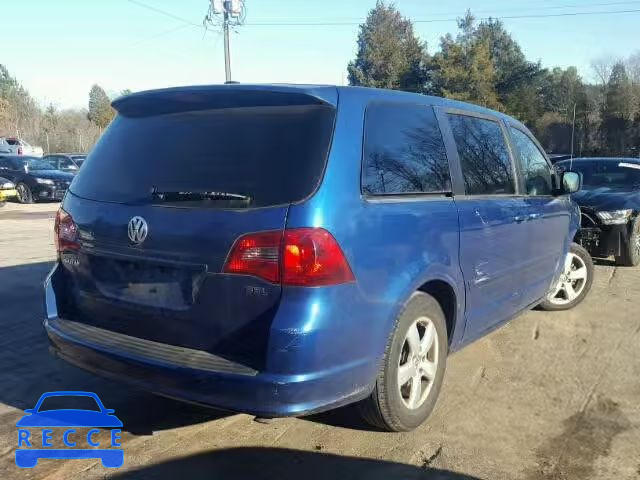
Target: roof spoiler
{"points": [[188, 99]]}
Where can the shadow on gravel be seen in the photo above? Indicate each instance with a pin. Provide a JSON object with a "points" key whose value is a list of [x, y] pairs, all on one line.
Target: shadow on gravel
{"points": [[22, 215], [27, 369], [604, 262], [346, 417], [259, 463]]}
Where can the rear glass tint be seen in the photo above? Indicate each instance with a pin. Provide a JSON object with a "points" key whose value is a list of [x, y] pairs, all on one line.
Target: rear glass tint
{"points": [[274, 155]]}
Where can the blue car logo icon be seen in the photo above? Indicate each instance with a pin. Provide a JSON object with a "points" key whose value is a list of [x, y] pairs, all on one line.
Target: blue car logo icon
{"points": [[45, 419]]}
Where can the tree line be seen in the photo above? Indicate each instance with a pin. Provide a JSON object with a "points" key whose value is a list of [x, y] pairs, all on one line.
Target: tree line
{"points": [[483, 64], [56, 130]]}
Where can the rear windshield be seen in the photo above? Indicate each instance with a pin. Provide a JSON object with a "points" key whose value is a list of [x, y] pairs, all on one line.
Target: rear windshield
{"points": [[270, 155]]}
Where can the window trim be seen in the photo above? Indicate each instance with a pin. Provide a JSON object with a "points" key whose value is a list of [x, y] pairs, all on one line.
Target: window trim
{"points": [[403, 196], [535, 142], [462, 192]]}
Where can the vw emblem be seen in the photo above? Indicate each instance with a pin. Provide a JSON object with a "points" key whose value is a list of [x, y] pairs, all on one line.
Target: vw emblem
{"points": [[138, 230]]}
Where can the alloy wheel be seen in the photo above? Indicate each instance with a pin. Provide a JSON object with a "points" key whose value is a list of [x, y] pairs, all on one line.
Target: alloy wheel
{"points": [[418, 363], [572, 281], [23, 195]]}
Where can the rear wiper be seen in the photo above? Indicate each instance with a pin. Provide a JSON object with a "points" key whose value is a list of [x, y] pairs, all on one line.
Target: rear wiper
{"points": [[177, 196]]}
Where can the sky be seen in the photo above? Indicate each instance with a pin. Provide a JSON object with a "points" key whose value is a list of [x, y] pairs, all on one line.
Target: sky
{"points": [[59, 49]]}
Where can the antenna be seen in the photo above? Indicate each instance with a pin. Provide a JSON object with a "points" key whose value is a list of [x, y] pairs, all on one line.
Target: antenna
{"points": [[573, 132], [225, 14]]}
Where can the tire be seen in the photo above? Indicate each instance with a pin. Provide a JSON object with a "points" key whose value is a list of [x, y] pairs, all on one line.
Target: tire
{"points": [[631, 251], [389, 406], [572, 286], [24, 193]]}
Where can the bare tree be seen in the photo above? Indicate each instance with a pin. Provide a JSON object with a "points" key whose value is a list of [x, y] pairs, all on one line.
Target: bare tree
{"points": [[602, 67], [633, 68]]}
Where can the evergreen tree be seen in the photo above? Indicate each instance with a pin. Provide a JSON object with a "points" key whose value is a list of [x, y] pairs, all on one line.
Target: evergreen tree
{"points": [[100, 111], [389, 54], [464, 67], [517, 80], [618, 112]]}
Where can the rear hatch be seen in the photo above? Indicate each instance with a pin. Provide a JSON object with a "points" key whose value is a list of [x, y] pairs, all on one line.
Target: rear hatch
{"points": [[200, 167]]}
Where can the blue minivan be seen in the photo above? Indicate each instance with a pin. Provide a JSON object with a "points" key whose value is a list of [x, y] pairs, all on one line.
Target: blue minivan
{"points": [[283, 250]]}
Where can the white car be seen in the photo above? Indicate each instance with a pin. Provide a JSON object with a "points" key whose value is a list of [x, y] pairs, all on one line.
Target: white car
{"points": [[17, 146]]}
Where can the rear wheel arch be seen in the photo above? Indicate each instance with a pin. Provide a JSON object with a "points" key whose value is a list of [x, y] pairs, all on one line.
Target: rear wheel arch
{"points": [[445, 295]]}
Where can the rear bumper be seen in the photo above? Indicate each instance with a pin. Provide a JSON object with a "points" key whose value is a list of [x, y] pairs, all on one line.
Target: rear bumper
{"points": [[202, 378]]}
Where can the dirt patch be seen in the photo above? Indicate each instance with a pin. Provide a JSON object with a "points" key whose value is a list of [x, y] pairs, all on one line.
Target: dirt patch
{"points": [[586, 436]]}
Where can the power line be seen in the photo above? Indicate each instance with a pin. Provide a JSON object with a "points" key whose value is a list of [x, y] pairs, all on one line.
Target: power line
{"points": [[165, 13], [434, 20], [473, 11], [554, 7], [157, 35], [439, 20]]}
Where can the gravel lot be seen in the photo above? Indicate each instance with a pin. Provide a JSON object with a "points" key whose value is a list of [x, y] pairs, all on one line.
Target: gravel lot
{"points": [[549, 396]]}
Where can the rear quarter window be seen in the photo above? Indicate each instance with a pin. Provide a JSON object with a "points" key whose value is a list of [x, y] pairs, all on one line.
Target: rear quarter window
{"points": [[403, 151]]}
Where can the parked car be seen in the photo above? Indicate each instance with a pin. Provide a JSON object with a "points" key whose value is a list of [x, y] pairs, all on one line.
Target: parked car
{"points": [[7, 190], [5, 149], [34, 178], [610, 204], [294, 253], [557, 157], [67, 162], [17, 146]]}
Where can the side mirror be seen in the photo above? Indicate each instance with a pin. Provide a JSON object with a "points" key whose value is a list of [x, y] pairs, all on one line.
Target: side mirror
{"points": [[571, 182]]}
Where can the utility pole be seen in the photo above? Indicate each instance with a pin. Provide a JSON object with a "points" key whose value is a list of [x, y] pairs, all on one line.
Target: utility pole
{"points": [[226, 14], [227, 53], [573, 128]]}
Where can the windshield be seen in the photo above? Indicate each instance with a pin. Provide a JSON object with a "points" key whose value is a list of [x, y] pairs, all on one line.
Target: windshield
{"points": [[608, 173], [35, 164], [78, 159], [266, 155]]}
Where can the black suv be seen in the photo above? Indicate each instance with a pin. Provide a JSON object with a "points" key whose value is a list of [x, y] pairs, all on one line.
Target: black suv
{"points": [[610, 205]]}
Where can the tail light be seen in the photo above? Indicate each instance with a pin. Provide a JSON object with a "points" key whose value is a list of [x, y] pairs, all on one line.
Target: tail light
{"points": [[256, 254], [19, 150], [308, 257], [66, 232]]}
